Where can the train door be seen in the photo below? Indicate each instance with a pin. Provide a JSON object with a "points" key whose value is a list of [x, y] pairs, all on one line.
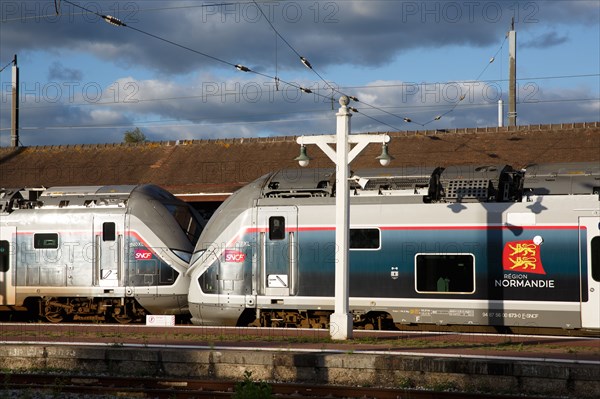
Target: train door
{"points": [[279, 250], [108, 250], [590, 316], [8, 236]]}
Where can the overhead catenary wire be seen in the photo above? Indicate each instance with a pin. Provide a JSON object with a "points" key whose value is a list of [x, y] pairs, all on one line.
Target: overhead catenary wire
{"points": [[403, 118], [115, 21], [302, 58], [314, 90], [461, 98], [58, 10], [308, 65], [201, 122], [7, 65]]}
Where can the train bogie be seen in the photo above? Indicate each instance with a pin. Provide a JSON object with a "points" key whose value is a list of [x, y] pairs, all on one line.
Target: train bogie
{"points": [[485, 249]]}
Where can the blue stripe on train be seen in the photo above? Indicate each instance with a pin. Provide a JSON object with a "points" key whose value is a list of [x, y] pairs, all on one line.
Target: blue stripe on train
{"points": [[371, 271]]}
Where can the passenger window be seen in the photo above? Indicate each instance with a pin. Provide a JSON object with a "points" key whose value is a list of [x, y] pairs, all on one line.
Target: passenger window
{"points": [[276, 228], [445, 273], [596, 258], [146, 267], [209, 280], [4, 256], [365, 239], [45, 241], [108, 231]]}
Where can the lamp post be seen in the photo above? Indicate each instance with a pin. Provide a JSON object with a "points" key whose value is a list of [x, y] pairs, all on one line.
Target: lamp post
{"points": [[340, 323]]}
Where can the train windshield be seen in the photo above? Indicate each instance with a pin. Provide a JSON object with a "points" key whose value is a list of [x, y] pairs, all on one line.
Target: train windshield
{"points": [[187, 221]]}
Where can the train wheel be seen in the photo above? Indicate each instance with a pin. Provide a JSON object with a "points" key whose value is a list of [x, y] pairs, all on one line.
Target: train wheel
{"points": [[54, 317], [53, 313], [122, 318]]}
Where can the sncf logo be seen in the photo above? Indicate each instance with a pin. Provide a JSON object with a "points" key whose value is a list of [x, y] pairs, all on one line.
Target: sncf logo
{"points": [[234, 256], [143, 254]]}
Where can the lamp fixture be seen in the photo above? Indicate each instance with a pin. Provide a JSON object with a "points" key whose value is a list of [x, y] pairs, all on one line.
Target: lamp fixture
{"points": [[303, 159], [385, 158]]}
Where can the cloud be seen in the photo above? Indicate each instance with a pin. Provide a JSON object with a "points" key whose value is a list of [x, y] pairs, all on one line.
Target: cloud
{"points": [[206, 108], [546, 40], [58, 71], [362, 33], [194, 92]]}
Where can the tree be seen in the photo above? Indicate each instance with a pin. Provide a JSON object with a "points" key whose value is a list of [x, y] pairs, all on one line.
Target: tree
{"points": [[134, 136]]}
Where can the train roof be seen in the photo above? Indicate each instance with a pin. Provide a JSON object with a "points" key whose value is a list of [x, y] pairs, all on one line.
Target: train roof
{"points": [[485, 183], [562, 178], [77, 196]]}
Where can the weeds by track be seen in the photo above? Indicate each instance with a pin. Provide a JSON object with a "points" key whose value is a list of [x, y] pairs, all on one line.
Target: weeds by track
{"points": [[170, 388]]}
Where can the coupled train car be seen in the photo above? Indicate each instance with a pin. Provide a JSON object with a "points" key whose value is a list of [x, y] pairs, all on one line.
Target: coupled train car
{"points": [[490, 246], [98, 253]]}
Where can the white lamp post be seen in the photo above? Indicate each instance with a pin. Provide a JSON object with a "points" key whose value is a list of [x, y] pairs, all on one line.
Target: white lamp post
{"points": [[340, 324]]}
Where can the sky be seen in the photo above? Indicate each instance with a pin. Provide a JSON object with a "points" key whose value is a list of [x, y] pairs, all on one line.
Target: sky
{"points": [[171, 69]]}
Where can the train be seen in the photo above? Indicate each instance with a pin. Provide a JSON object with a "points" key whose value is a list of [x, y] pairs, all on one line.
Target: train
{"points": [[95, 253], [475, 246]]}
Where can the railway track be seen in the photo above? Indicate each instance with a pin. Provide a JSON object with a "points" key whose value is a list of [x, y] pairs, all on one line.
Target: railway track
{"points": [[159, 388], [8, 319]]}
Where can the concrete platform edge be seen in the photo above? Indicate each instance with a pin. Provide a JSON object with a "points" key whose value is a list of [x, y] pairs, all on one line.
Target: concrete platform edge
{"points": [[547, 378]]}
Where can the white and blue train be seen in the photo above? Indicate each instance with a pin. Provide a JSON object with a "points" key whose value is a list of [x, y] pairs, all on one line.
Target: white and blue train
{"points": [[488, 246], [101, 253]]}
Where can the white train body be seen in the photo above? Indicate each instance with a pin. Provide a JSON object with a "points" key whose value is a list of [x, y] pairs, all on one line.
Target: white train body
{"points": [[95, 253], [478, 246]]}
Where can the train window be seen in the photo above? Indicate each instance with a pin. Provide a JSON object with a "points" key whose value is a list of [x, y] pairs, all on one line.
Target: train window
{"points": [[45, 241], [365, 239], [108, 231], [276, 228], [4, 256], [209, 280], [146, 267], [167, 275], [445, 273], [186, 220], [596, 258]]}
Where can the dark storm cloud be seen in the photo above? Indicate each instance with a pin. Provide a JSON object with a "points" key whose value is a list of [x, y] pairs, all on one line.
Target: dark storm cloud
{"points": [[366, 33]]}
